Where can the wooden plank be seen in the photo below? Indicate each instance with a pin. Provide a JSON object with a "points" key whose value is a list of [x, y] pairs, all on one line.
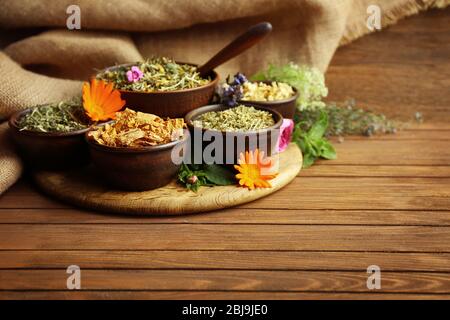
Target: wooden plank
{"points": [[239, 260], [429, 125], [210, 295], [397, 193], [225, 237], [392, 152], [300, 281], [328, 169], [235, 216], [354, 192], [24, 195], [411, 131]]}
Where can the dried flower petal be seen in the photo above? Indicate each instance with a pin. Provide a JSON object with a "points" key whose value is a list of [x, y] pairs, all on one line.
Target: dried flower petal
{"points": [[137, 129]]}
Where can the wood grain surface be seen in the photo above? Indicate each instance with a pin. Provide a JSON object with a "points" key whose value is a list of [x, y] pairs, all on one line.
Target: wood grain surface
{"points": [[384, 201]]}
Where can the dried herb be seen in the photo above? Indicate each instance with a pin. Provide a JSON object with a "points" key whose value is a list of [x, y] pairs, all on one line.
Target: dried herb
{"points": [[348, 120], [137, 129], [240, 118], [239, 88], [193, 176], [155, 74], [64, 116], [260, 91]]}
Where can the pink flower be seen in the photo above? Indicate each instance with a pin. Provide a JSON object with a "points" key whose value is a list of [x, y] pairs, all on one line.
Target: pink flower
{"points": [[286, 129], [192, 179], [135, 74]]}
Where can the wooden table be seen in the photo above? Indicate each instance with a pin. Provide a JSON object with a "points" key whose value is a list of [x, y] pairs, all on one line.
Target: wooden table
{"points": [[384, 202]]}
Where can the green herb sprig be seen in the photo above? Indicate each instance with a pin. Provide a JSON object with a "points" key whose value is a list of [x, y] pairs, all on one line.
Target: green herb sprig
{"points": [[193, 176], [312, 142]]}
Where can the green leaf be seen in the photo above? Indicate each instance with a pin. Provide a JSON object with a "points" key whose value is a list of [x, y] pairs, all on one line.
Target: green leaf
{"points": [[258, 76], [308, 160], [312, 143], [185, 172], [301, 144], [327, 150], [219, 175], [319, 127], [193, 187]]}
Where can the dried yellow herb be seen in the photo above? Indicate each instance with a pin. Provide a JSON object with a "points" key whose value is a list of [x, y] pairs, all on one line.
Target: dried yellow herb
{"points": [[260, 91], [137, 129]]}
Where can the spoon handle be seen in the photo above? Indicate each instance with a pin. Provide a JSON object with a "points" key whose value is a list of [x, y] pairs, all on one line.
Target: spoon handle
{"points": [[237, 46]]}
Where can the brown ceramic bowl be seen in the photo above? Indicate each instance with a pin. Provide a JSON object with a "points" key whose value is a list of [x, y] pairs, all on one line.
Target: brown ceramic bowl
{"points": [[172, 104], [234, 143], [53, 150], [286, 106], [135, 169]]}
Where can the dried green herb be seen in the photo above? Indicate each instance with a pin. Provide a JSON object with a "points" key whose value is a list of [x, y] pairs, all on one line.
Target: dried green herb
{"points": [[158, 74], [64, 116], [347, 120], [240, 118]]}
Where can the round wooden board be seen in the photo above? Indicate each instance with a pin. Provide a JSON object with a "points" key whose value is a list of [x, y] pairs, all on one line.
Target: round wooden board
{"points": [[82, 188]]}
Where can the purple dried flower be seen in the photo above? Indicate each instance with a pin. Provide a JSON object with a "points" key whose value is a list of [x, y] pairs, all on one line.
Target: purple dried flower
{"points": [[239, 79], [230, 95], [231, 91]]}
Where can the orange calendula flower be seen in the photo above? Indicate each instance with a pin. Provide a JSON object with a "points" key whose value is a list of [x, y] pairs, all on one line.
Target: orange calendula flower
{"points": [[253, 170], [101, 101]]}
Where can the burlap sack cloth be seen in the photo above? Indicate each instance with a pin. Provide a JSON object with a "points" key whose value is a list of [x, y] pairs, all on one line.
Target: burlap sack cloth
{"points": [[41, 61]]}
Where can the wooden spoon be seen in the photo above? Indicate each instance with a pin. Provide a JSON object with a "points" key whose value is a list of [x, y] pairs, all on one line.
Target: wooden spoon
{"points": [[236, 47]]}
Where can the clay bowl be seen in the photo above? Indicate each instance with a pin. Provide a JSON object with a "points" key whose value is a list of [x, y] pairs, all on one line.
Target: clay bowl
{"points": [[135, 169], [49, 150], [172, 104], [285, 107], [233, 142]]}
